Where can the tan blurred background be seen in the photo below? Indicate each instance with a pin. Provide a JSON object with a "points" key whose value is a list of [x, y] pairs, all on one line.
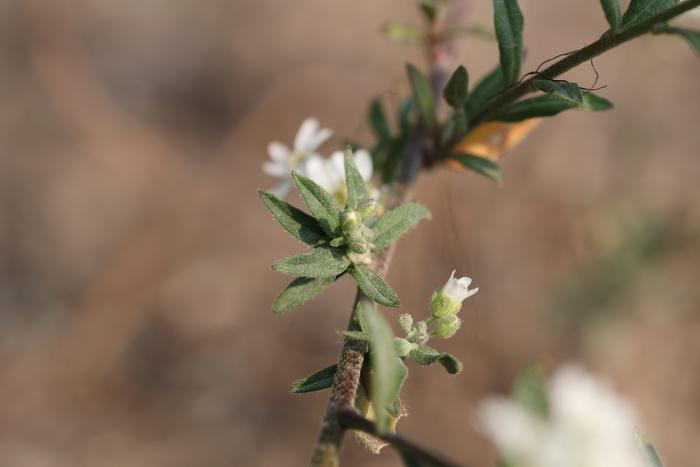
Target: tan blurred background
{"points": [[135, 287]]}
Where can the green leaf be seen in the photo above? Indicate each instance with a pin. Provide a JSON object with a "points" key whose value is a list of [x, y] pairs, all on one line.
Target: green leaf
{"points": [[423, 97], [540, 106], [648, 451], [480, 165], [357, 189], [455, 92], [386, 372], [639, 10], [487, 88], [429, 9], [321, 203], [377, 118], [355, 335], [612, 13], [475, 30], [296, 222], [530, 392], [424, 355], [691, 35], [394, 408], [321, 379], [396, 222], [595, 103], [403, 33], [508, 21], [322, 262], [564, 90], [373, 286], [300, 291]]}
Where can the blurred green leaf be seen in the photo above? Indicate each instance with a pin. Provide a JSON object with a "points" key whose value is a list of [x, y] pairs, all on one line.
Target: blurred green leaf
{"points": [[300, 291], [508, 22], [595, 103], [321, 203], [394, 407], [639, 10], [322, 262], [455, 92], [396, 222], [429, 9], [476, 30], [424, 355], [423, 97], [540, 106], [403, 33], [355, 335], [357, 189], [530, 390], [480, 165], [690, 35], [373, 286], [386, 370], [377, 118], [648, 451], [611, 8], [296, 222], [316, 381], [487, 88], [564, 90]]}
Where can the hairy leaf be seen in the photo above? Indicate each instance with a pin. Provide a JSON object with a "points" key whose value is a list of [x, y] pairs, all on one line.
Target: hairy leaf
{"points": [[296, 222], [300, 291], [423, 97], [355, 335], [690, 35], [611, 8], [424, 355], [321, 203], [639, 10], [455, 92], [480, 165], [564, 90], [508, 21], [386, 371], [396, 222], [316, 381], [373, 286], [357, 189], [489, 86], [322, 262], [540, 106]]}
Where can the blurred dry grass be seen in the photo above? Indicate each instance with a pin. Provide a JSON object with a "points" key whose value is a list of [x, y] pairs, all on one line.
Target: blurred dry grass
{"points": [[135, 285]]}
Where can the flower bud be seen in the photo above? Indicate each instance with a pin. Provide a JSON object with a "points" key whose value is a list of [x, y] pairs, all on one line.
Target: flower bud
{"points": [[448, 299], [403, 346], [447, 327], [366, 208], [349, 221], [406, 322], [419, 335]]}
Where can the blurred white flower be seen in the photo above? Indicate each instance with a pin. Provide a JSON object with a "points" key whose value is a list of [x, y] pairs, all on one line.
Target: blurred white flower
{"points": [[309, 137], [588, 425], [330, 173]]}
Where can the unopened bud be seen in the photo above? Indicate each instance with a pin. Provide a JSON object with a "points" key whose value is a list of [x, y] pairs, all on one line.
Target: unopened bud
{"points": [[406, 322], [447, 327], [403, 346], [366, 208], [349, 221]]}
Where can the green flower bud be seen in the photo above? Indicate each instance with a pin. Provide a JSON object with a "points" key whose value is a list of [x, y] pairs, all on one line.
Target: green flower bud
{"points": [[447, 327], [349, 221], [367, 207], [360, 239], [406, 322], [419, 334], [403, 346]]}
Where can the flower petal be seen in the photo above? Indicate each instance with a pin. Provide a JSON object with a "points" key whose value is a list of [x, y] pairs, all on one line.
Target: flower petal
{"points": [[316, 169], [276, 169], [305, 135], [282, 188], [363, 161], [319, 138], [278, 152]]}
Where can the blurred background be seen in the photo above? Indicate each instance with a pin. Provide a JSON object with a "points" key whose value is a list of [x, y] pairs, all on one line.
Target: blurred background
{"points": [[135, 287]]}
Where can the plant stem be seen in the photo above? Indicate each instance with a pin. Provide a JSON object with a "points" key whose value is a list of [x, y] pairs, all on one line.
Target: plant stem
{"points": [[608, 41]]}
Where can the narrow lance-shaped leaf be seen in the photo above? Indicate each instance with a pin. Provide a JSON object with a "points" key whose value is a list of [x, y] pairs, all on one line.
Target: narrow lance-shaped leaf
{"points": [[648, 451], [508, 21], [595, 103], [540, 106], [455, 92], [355, 335], [425, 355], [300, 291], [377, 118], [316, 381], [357, 189], [373, 286], [403, 33], [322, 262], [611, 8], [480, 165], [487, 88], [423, 97], [564, 90], [396, 222], [321, 203], [296, 222], [639, 10], [386, 372], [690, 35]]}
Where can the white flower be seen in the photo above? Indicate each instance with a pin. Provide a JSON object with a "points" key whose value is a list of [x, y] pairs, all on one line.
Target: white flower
{"points": [[588, 425], [309, 137], [330, 173], [458, 289]]}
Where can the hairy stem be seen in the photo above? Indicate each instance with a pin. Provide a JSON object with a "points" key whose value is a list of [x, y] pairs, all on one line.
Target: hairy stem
{"points": [[608, 41]]}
